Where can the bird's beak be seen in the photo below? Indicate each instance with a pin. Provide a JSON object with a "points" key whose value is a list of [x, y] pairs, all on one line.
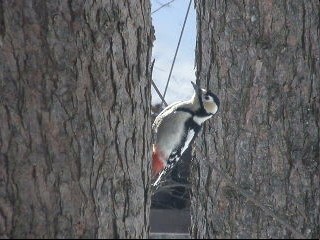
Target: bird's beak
{"points": [[195, 86]]}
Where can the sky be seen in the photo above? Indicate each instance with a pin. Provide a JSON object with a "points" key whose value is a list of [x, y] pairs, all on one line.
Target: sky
{"points": [[168, 23]]}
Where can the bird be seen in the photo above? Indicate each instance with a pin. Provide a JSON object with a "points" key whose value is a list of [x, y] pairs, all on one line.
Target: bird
{"points": [[176, 127]]}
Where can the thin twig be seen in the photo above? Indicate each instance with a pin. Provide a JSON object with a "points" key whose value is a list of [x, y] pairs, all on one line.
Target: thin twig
{"points": [[154, 85], [163, 5], [157, 90]]}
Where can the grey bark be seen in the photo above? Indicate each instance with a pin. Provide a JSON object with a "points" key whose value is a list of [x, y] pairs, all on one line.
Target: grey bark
{"points": [[74, 119], [262, 60]]}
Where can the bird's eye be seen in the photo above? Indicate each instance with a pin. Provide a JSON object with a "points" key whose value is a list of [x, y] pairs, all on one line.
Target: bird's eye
{"points": [[206, 97]]}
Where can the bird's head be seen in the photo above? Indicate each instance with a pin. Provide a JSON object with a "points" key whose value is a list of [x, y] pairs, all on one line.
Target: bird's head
{"points": [[206, 101]]}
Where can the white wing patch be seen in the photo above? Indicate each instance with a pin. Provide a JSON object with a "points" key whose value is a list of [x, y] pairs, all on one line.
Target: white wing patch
{"points": [[159, 178], [189, 138]]}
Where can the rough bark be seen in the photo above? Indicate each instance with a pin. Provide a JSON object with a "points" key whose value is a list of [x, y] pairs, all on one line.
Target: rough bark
{"points": [[74, 119], [262, 59]]}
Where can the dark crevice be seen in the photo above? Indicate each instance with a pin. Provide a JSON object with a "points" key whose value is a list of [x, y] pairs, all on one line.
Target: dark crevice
{"points": [[2, 22]]}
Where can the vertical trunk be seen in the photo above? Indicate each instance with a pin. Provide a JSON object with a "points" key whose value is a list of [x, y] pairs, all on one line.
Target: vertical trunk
{"points": [[74, 119], [262, 58]]}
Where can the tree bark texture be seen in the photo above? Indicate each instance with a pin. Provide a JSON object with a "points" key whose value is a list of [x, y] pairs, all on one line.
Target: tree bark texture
{"points": [[74, 119], [262, 60]]}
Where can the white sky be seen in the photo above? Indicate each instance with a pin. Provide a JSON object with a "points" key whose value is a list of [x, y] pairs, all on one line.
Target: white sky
{"points": [[168, 23]]}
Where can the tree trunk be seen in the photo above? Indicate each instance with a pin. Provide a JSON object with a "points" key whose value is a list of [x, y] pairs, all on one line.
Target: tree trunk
{"points": [[262, 60], [74, 119]]}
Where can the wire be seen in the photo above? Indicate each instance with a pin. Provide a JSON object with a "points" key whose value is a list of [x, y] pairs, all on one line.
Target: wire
{"points": [[175, 55], [163, 5]]}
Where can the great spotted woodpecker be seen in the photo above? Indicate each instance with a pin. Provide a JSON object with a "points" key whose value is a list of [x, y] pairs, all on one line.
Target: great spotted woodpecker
{"points": [[176, 127]]}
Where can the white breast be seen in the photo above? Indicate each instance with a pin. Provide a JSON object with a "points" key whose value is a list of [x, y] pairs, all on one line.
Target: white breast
{"points": [[200, 120]]}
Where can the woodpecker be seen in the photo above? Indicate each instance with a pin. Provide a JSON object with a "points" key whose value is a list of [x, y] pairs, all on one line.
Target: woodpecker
{"points": [[176, 127]]}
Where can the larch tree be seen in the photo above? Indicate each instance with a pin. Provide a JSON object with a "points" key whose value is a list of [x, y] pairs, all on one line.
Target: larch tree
{"points": [[74, 118], [260, 177]]}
